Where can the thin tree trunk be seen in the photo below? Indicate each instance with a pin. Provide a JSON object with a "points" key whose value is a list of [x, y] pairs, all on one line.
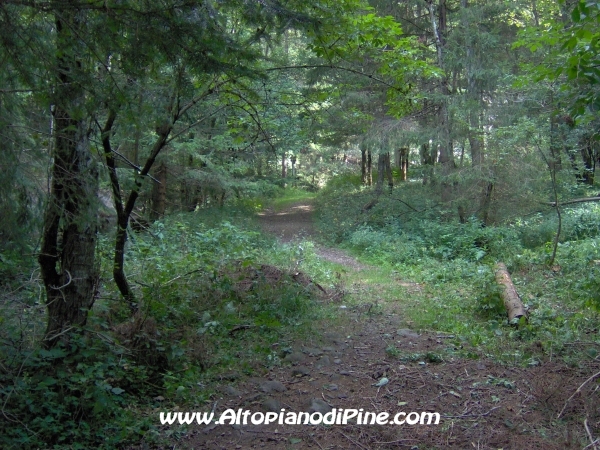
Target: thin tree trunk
{"points": [[589, 161], [427, 160], [380, 173], [552, 170], [363, 166], [388, 172], [159, 193], [397, 158], [486, 202], [124, 210], [446, 156], [404, 163], [369, 168]]}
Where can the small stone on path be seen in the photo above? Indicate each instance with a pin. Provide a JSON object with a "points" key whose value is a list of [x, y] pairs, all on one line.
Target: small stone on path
{"points": [[295, 357], [300, 371], [318, 405], [270, 387], [271, 404], [404, 332]]}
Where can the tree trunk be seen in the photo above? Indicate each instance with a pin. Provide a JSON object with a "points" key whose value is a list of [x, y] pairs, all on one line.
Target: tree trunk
{"points": [[363, 166], [404, 163], [124, 210], [486, 202], [446, 155], [67, 257], [388, 172], [159, 193], [369, 168], [427, 160], [397, 158], [512, 301], [556, 138], [380, 173], [589, 161], [283, 167]]}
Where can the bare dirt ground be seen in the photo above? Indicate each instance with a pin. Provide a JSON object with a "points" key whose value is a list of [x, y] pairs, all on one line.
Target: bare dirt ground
{"points": [[295, 223], [482, 404]]}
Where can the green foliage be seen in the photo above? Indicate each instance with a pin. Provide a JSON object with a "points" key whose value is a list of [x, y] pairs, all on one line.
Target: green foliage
{"points": [[578, 223], [393, 233], [204, 294], [450, 267], [75, 397], [569, 53]]}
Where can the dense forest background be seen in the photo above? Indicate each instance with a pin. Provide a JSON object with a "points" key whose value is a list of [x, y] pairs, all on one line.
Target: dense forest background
{"points": [[141, 138]]}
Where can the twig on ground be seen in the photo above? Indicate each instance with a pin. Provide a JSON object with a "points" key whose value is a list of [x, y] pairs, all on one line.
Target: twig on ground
{"points": [[317, 442], [471, 415], [399, 441], [576, 392], [597, 441], [353, 441], [589, 433]]}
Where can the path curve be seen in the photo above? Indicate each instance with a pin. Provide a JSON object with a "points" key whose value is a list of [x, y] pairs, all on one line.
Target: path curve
{"points": [[295, 223]]}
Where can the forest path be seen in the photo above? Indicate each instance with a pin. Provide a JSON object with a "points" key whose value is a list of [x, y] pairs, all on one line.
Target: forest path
{"points": [[367, 358], [295, 222]]}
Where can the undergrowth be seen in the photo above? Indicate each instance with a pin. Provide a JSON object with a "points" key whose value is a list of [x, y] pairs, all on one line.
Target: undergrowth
{"points": [[410, 237], [217, 299]]}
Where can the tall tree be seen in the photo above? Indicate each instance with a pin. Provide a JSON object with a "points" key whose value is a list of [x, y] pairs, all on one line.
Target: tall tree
{"points": [[67, 254]]}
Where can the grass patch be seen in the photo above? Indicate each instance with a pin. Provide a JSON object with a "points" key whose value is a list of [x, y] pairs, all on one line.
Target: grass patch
{"points": [[291, 196]]}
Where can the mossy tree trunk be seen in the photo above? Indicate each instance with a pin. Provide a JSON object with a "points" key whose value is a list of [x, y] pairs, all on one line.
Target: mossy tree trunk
{"points": [[67, 255]]}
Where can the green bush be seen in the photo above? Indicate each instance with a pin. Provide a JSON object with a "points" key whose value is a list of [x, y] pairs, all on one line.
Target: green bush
{"points": [[77, 397]]}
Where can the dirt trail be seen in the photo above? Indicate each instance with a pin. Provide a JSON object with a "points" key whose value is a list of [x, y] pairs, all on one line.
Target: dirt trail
{"points": [[374, 362], [295, 223]]}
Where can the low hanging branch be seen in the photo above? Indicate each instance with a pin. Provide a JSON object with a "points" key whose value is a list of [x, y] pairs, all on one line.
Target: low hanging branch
{"points": [[512, 301]]}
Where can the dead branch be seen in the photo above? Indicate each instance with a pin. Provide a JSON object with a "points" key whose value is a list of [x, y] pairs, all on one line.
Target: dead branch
{"points": [[575, 200], [596, 375]]}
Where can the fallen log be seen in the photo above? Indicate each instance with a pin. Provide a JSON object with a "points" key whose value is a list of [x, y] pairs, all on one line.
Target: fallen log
{"points": [[512, 302], [575, 200]]}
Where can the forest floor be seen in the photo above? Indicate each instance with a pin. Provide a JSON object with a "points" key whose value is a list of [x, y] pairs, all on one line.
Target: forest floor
{"points": [[354, 364]]}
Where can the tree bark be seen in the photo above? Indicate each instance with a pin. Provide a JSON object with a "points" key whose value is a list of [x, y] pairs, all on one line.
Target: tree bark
{"points": [[446, 155], [369, 168], [159, 193], [486, 203], [427, 160], [512, 301], [380, 174], [404, 163], [67, 257], [388, 172], [589, 161], [363, 166]]}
